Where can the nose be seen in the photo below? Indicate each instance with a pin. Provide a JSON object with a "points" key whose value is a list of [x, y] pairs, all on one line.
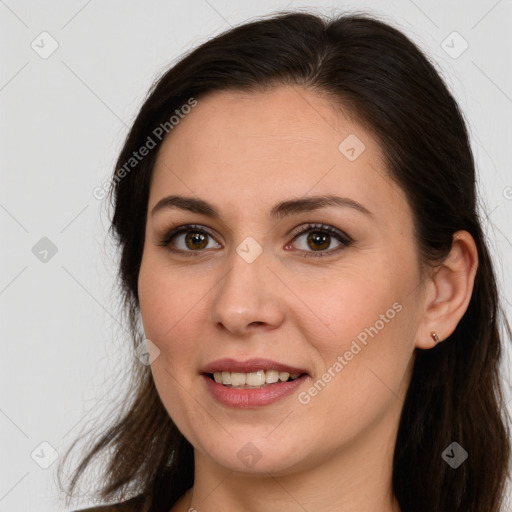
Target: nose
{"points": [[248, 298]]}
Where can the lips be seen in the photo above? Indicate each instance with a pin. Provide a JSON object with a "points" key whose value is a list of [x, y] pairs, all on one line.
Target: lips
{"points": [[225, 380], [251, 365]]}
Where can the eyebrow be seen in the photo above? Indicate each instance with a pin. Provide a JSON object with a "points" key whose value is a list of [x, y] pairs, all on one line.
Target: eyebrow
{"points": [[279, 211]]}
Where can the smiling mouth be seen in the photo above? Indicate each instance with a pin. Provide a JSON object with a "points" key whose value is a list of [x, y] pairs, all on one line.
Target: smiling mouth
{"points": [[253, 380]]}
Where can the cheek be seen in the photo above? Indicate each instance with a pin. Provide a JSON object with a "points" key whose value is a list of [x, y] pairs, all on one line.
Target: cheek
{"points": [[363, 327], [168, 302], [364, 333], [344, 305], [363, 365]]}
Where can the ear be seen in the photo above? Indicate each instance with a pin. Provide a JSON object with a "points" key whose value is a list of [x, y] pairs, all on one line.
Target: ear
{"points": [[448, 291]]}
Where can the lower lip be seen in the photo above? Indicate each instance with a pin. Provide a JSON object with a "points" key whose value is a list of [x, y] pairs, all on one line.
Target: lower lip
{"points": [[251, 398]]}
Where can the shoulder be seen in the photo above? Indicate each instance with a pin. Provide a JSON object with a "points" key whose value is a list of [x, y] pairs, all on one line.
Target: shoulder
{"points": [[125, 506]]}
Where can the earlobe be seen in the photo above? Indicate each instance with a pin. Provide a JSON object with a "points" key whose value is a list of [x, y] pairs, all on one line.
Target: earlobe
{"points": [[435, 337], [451, 284]]}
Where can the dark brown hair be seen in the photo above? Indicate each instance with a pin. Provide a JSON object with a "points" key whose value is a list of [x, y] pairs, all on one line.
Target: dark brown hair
{"points": [[378, 75]]}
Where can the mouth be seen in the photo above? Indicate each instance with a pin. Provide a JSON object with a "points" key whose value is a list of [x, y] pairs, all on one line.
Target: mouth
{"points": [[252, 383], [253, 373], [253, 380]]}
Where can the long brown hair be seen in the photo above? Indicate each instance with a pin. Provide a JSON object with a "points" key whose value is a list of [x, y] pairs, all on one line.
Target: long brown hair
{"points": [[381, 77]]}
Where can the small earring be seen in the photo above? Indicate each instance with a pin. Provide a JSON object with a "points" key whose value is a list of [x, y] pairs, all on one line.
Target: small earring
{"points": [[434, 335]]}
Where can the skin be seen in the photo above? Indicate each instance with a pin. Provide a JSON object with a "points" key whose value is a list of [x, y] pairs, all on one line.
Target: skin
{"points": [[243, 153]]}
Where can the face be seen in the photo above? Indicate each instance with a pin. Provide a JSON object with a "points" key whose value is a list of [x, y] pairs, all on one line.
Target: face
{"points": [[257, 276]]}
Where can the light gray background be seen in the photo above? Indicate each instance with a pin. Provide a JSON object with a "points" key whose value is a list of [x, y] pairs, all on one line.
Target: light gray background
{"points": [[63, 120]]}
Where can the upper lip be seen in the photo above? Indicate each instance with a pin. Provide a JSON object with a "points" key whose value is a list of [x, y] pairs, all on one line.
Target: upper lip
{"points": [[251, 365]]}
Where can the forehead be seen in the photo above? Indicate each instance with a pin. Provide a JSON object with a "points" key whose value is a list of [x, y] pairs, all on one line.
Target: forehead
{"points": [[254, 148]]}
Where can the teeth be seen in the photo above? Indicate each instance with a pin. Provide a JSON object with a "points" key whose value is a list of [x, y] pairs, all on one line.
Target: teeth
{"points": [[284, 376], [253, 379], [238, 379], [272, 376]]}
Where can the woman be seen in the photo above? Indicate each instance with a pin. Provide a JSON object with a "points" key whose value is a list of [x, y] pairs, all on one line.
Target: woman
{"points": [[302, 256]]}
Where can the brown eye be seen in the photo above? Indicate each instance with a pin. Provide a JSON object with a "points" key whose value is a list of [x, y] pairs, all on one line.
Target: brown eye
{"points": [[196, 240], [189, 239], [318, 241]]}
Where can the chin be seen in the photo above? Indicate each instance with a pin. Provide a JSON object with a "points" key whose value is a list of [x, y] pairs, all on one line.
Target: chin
{"points": [[258, 457]]}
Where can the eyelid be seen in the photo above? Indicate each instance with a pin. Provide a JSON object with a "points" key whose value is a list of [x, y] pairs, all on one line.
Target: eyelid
{"points": [[344, 239], [184, 228], [311, 226]]}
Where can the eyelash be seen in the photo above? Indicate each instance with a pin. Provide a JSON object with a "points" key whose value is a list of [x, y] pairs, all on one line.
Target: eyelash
{"points": [[341, 237]]}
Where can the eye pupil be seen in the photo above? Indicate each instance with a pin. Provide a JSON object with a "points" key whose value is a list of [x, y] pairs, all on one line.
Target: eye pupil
{"points": [[321, 240], [195, 238]]}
